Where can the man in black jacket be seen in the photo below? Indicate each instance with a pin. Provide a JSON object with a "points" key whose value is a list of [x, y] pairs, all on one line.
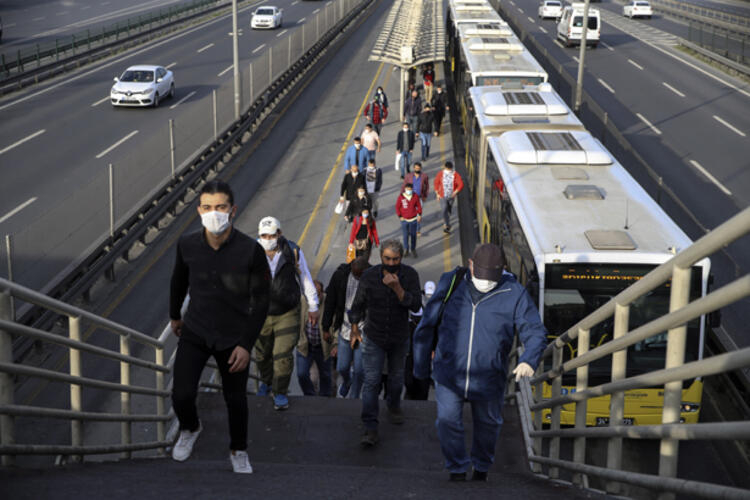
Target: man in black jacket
{"points": [[228, 277], [352, 182], [386, 294], [404, 146], [439, 107]]}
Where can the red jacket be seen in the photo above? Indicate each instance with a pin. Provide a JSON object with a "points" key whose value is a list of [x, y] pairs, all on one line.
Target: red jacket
{"points": [[372, 231], [458, 183], [379, 112], [408, 209], [424, 180]]}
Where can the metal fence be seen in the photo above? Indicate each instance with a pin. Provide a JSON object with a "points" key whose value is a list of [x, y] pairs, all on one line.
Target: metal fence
{"points": [[128, 177], [733, 46], [670, 432], [61, 48]]}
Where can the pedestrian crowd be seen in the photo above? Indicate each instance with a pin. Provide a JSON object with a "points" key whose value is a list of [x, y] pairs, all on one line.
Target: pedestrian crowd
{"points": [[373, 325]]}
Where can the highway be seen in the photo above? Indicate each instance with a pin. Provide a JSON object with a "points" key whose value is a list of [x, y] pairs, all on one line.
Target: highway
{"points": [[65, 133], [688, 121]]}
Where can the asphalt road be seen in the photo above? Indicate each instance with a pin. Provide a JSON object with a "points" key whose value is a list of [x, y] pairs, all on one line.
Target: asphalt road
{"points": [[30, 22], [688, 121], [61, 136]]}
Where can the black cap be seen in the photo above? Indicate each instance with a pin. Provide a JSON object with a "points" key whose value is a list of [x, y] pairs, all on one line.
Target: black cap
{"points": [[488, 262]]}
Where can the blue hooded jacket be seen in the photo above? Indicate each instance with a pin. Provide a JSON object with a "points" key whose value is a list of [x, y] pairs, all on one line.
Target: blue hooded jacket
{"points": [[351, 155], [476, 335]]}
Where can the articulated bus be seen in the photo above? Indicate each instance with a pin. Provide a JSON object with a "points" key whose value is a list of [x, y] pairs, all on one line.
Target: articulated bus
{"points": [[576, 230]]}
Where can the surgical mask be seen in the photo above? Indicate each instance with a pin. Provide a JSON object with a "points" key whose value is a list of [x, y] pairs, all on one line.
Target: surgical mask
{"points": [[364, 216], [354, 173], [407, 192], [380, 91], [406, 129], [483, 286], [357, 146], [393, 269], [215, 222], [361, 194], [269, 245]]}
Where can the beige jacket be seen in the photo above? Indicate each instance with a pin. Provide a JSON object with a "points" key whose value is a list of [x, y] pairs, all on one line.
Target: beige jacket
{"points": [[302, 345]]}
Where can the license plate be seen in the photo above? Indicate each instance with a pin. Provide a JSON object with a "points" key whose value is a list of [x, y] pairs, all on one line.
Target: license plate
{"points": [[604, 421]]}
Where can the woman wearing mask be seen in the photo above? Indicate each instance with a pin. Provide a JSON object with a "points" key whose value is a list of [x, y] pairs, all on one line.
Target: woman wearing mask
{"points": [[362, 201], [364, 234]]}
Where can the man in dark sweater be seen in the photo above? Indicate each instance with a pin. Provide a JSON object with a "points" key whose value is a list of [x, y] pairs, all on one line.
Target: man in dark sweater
{"points": [[228, 277], [385, 295]]}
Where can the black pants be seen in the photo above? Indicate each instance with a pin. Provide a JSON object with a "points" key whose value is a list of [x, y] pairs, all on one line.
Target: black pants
{"points": [[188, 365]]}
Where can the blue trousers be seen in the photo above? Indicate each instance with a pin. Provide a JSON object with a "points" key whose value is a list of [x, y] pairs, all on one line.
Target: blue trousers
{"points": [[426, 140], [346, 357], [487, 420], [373, 357], [314, 354], [371, 154], [409, 232], [405, 163]]}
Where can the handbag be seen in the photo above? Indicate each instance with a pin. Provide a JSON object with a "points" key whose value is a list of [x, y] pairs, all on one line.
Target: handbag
{"points": [[361, 244], [351, 253], [398, 161], [339, 207]]}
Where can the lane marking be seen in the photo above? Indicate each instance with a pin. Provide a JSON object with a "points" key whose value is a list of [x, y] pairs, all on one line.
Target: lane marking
{"points": [[643, 119], [604, 84], [17, 209], [104, 3], [607, 46], [10, 25], [85, 7], [64, 13], [531, 19], [576, 60], [520, 10], [301, 21], [205, 48], [226, 70], [281, 33], [635, 64], [673, 89], [541, 28], [171, 65], [19, 142], [316, 11], [191, 94], [38, 18], [295, 2], [113, 146], [729, 126], [710, 177], [100, 101], [258, 48]]}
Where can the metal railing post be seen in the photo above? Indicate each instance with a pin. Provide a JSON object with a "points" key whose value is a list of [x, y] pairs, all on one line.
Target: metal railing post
{"points": [[270, 66], [582, 383], [76, 426], [554, 444], [675, 356], [161, 432], [289, 52], [9, 259], [252, 90], [216, 125], [536, 467], [7, 433], [617, 400], [171, 146], [111, 202], [125, 435]]}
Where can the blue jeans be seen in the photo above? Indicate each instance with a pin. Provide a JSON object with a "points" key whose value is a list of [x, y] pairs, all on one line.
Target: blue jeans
{"points": [[426, 139], [373, 357], [405, 162], [314, 354], [409, 231], [487, 420], [347, 356], [371, 154], [413, 121], [446, 205]]}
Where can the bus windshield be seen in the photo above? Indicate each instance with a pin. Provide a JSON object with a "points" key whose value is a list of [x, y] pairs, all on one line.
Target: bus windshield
{"points": [[573, 291]]}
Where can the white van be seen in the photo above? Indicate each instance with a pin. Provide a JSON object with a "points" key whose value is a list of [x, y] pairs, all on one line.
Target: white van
{"points": [[570, 25]]}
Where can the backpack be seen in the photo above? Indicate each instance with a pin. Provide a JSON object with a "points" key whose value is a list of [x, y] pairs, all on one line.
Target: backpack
{"points": [[457, 277]]}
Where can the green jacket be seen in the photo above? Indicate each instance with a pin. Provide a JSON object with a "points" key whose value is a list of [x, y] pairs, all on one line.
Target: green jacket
{"points": [[302, 344]]}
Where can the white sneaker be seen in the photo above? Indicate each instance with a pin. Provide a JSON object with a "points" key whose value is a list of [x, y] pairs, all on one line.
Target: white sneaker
{"points": [[240, 462], [184, 445]]}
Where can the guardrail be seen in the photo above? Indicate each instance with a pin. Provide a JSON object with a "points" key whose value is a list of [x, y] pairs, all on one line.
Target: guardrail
{"points": [[722, 42], [16, 63], [696, 12], [670, 432], [166, 182]]}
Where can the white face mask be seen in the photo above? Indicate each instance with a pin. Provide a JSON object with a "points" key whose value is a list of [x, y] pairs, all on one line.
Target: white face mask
{"points": [[269, 245], [406, 129], [215, 222], [357, 146], [365, 216], [483, 286], [354, 173], [361, 194], [407, 192]]}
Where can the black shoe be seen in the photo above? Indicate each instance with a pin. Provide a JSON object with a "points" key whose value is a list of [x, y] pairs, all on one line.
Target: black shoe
{"points": [[396, 416], [369, 438], [457, 477], [375, 214], [414, 254], [406, 254], [447, 230], [478, 475]]}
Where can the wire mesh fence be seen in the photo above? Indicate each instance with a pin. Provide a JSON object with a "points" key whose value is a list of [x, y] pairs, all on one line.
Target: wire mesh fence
{"points": [[733, 46]]}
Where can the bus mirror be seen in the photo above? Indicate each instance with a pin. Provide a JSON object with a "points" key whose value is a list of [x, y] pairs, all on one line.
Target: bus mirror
{"points": [[714, 318]]}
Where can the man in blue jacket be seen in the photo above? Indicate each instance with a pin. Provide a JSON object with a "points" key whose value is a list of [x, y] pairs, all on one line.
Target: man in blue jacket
{"points": [[355, 154], [475, 335]]}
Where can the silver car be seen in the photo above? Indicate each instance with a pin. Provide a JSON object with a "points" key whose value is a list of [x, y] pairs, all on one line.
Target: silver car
{"points": [[142, 86]]}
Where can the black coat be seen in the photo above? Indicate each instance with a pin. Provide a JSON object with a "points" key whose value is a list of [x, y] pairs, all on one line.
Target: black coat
{"points": [[426, 122], [439, 103], [335, 305], [401, 141], [350, 185]]}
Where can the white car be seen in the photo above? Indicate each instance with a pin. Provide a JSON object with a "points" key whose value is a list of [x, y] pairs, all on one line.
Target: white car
{"points": [[142, 86], [266, 17], [550, 9], [637, 8]]}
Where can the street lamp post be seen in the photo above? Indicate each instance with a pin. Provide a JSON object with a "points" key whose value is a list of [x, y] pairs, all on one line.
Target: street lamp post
{"points": [[581, 57]]}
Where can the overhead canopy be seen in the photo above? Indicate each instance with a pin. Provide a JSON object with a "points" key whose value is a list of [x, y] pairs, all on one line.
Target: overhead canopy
{"points": [[413, 34]]}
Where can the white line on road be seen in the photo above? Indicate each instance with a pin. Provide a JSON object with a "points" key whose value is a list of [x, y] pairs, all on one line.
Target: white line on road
{"points": [[258, 48], [730, 127], [38, 18], [281, 33], [604, 84], [205, 48], [100, 101], [316, 11], [10, 25], [63, 13], [635, 64], [226, 70], [104, 3], [18, 143], [520, 10], [541, 28], [512, 2], [295, 2], [183, 100], [710, 177], [531, 19], [301, 21], [113, 146], [643, 119], [85, 7], [171, 65], [576, 60], [607, 46], [17, 209], [673, 89]]}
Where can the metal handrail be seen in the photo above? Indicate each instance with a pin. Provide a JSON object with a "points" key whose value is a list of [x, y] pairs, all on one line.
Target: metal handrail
{"points": [[670, 432]]}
